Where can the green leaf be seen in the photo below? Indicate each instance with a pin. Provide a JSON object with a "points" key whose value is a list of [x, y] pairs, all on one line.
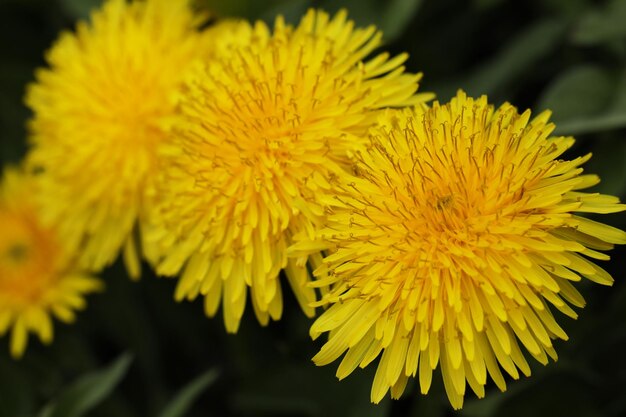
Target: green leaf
{"points": [[397, 16], [484, 407], [486, 4], [253, 9], [80, 9], [566, 8], [292, 11], [607, 122], [183, 401], [86, 393], [601, 26], [587, 99], [608, 163], [392, 17], [299, 388], [582, 91], [516, 58]]}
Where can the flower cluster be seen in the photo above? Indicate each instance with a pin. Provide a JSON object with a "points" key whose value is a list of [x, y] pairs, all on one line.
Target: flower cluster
{"points": [[233, 155]]}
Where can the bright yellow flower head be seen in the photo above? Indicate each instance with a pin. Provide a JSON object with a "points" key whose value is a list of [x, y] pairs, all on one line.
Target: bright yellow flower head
{"points": [[38, 277], [101, 111], [453, 245], [266, 121]]}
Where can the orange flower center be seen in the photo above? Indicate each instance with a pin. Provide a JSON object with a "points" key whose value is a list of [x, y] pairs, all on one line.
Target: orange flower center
{"points": [[27, 257]]}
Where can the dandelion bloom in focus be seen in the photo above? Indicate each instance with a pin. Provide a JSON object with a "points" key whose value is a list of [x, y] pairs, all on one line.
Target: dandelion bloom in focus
{"points": [[101, 111], [265, 122], [38, 276], [454, 244]]}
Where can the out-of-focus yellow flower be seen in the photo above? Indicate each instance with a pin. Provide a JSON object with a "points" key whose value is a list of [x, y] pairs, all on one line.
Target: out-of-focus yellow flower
{"points": [[38, 276], [101, 111], [266, 122], [453, 244]]}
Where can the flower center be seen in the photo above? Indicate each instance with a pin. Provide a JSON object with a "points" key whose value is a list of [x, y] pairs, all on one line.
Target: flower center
{"points": [[27, 257], [17, 253]]}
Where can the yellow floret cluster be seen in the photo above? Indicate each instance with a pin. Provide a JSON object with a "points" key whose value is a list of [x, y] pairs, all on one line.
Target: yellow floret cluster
{"points": [[263, 127], [235, 156], [451, 244], [102, 110]]}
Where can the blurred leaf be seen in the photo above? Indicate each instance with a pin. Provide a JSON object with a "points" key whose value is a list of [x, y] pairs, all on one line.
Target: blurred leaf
{"points": [[483, 407], [599, 26], [129, 326], [568, 8], [397, 16], [518, 57], [301, 389], [587, 99], [183, 401], [80, 9], [392, 17], [292, 11], [88, 391], [486, 4], [608, 162], [607, 122], [248, 9], [581, 91]]}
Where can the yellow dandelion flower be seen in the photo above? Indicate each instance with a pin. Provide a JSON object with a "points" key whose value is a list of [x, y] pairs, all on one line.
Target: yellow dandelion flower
{"points": [[38, 277], [101, 111], [454, 245], [265, 121]]}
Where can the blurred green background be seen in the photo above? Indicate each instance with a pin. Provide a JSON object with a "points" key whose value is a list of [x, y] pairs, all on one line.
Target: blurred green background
{"points": [[566, 55]]}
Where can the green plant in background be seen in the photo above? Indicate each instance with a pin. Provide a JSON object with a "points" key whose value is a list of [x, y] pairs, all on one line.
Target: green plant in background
{"points": [[566, 55]]}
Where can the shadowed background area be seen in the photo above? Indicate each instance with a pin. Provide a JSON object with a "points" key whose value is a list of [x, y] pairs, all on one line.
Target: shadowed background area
{"points": [[565, 55]]}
